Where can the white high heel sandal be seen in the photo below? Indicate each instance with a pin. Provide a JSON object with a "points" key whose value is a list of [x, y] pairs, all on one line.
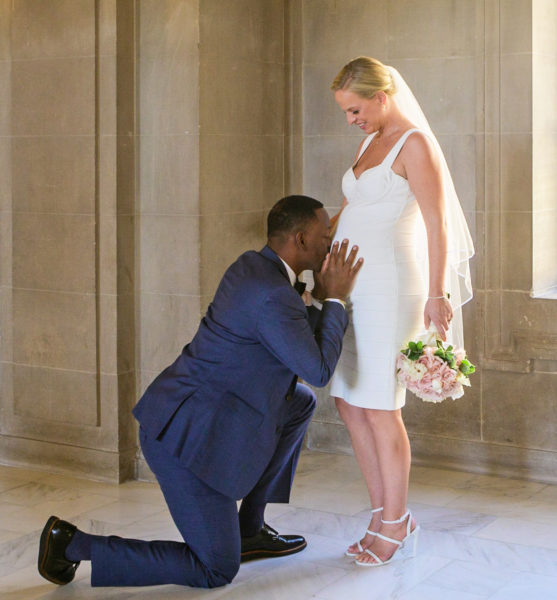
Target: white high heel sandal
{"points": [[410, 541], [360, 549]]}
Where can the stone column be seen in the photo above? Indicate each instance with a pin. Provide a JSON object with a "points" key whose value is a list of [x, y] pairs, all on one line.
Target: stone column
{"points": [[68, 165]]}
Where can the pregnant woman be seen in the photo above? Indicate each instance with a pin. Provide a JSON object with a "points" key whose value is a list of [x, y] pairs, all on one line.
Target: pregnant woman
{"points": [[402, 211]]}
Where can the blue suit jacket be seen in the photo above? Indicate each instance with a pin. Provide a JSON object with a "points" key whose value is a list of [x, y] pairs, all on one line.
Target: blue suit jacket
{"points": [[218, 407]]}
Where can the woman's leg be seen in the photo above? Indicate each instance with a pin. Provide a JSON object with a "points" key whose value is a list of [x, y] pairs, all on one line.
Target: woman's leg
{"points": [[363, 443], [393, 453]]}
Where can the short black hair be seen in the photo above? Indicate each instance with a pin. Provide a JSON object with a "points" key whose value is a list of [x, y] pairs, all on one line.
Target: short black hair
{"points": [[291, 212]]}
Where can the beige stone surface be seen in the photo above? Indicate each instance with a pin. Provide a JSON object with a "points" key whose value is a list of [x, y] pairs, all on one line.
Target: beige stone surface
{"points": [[54, 329], [107, 332], [54, 252], [169, 174], [107, 255], [65, 28], [168, 102], [53, 96], [520, 410], [107, 27], [451, 418], [516, 171], [434, 28], [516, 93], [5, 249], [326, 159], [516, 251], [226, 237], [125, 248], [241, 97], [253, 180], [461, 153], [54, 174], [5, 176], [55, 395], [106, 95], [331, 37], [170, 322], [5, 97], [446, 90], [5, 26], [6, 348], [168, 29], [245, 29], [477, 223], [125, 173], [169, 245], [126, 334], [321, 114], [516, 22]]}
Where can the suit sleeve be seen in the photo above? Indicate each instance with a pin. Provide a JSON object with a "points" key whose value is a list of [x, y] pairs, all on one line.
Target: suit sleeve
{"points": [[285, 330]]}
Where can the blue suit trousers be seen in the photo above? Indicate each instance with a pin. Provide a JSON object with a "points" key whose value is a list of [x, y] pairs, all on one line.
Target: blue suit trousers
{"points": [[207, 520]]}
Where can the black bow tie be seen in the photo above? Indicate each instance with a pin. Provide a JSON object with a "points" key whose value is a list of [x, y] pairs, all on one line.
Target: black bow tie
{"points": [[300, 287]]}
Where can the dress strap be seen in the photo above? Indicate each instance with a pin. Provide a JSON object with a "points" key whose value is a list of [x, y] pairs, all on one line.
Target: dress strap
{"points": [[394, 151], [366, 143]]}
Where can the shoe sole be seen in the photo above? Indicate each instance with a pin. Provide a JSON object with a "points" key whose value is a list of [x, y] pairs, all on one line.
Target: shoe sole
{"points": [[255, 554], [43, 550]]}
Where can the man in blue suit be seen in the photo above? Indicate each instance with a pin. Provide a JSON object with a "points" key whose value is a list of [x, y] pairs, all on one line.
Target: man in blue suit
{"points": [[227, 419]]}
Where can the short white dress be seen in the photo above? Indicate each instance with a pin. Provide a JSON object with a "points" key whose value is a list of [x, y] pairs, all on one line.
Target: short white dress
{"points": [[386, 306]]}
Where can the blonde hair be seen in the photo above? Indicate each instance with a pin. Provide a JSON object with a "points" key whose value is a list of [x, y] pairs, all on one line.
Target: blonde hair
{"points": [[364, 76]]}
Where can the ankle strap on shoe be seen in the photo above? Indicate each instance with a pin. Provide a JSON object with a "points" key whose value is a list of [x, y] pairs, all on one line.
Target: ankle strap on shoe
{"points": [[403, 518], [374, 510]]}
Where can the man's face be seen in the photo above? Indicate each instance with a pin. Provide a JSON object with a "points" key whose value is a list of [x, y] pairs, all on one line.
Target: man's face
{"points": [[316, 240]]}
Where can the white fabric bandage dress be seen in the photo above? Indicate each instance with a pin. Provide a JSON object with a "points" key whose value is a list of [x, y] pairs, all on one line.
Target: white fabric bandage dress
{"points": [[386, 305]]}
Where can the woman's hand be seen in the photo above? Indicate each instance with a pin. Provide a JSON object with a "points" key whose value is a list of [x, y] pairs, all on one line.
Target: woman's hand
{"points": [[439, 312]]}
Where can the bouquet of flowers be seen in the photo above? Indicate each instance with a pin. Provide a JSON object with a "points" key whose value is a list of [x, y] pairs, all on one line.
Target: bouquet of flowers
{"points": [[433, 372]]}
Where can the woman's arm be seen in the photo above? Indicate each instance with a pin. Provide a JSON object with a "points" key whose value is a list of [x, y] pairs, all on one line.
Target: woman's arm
{"points": [[423, 171]]}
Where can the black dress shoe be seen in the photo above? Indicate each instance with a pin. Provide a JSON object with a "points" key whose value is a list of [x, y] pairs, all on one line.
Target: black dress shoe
{"points": [[268, 543], [53, 564]]}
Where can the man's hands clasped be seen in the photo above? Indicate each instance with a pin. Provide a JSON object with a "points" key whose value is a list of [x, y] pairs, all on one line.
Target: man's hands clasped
{"points": [[338, 273]]}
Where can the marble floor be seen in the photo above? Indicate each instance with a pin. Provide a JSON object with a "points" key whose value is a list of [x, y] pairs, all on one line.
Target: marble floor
{"points": [[482, 537]]}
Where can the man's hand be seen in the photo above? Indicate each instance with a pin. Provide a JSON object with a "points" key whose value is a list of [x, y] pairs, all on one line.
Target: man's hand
{"points": [[338, 273]]}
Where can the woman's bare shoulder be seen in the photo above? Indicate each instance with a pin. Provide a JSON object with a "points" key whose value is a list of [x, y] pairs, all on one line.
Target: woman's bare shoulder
{"points": [[419, 148]]}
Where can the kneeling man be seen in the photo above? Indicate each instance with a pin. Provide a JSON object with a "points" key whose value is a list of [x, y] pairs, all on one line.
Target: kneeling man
{"points": [[227, 419]]}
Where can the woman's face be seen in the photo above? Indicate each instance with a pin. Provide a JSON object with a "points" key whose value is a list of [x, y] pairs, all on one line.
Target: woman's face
{"points": [[366, 113]]}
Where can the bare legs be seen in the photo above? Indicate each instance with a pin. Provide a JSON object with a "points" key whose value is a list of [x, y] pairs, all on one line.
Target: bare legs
{"points": [[363, 443], [382, 450]]}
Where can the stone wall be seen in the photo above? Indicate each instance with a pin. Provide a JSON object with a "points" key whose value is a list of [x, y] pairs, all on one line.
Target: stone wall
{"points": [[142, 143], [68, 193]]}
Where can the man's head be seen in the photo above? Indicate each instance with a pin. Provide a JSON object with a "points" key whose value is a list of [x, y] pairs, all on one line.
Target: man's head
{"points": [[298, 231]]}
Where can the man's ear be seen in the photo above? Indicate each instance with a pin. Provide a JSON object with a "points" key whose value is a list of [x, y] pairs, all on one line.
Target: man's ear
{"points": [[300, 240]]}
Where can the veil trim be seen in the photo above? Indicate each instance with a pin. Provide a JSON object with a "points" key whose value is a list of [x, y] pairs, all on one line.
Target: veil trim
{"points": [[460, 247]]}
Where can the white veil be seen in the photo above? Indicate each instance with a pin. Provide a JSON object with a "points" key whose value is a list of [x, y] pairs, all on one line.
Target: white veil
{"points": [[459, 243]]}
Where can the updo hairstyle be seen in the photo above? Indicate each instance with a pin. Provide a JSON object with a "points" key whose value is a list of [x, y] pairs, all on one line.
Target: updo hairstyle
{"points": [[364, 76]]}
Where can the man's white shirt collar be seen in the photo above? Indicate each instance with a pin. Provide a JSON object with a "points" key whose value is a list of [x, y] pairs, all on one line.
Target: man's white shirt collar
{"points": [[291, 274]]}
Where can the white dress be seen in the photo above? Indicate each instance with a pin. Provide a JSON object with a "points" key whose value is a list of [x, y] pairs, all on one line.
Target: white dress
{"points": [[386, 306]]}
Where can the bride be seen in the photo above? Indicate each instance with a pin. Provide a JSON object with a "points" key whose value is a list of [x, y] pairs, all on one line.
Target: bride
{"points": [[402, 211]]}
